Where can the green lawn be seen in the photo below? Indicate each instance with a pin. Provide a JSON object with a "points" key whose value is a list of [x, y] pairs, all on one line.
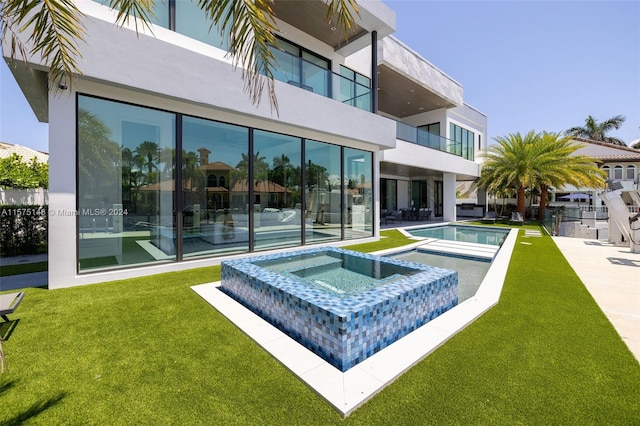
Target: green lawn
{"points": [[150, 351]]}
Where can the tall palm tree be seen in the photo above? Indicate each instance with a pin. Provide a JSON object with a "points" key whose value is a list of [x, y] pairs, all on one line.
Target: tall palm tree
{"points": [[598, 131], [54, 30], [537, 161], [149, 150], [260, 169], [558, 165], [509, 164]]}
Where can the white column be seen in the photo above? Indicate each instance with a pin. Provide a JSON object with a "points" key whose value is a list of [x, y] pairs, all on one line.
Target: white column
{"points": [[62, 189], [449, 197]]}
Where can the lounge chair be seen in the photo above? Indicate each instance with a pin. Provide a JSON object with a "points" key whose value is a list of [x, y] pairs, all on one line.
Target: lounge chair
{"points": [[516, 218], [490, 217], [9, 303]]}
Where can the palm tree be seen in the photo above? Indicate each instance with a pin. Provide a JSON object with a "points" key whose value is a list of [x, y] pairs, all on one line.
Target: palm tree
{"points": [[97, 155], [149, 150], [598, 131], [260, 169], [279, 172], [537, 161], [509, 164], [558, 165], [54, 30]]}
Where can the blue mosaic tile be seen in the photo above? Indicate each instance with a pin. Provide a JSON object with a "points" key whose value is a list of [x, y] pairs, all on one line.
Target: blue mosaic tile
{"points": [[342, 329]]}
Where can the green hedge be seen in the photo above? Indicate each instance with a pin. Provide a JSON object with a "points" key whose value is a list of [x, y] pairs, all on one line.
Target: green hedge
{"points": [[23, 229]]}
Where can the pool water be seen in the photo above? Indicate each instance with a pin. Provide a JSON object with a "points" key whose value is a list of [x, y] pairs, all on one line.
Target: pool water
{"points": [[471, 270], [337, 272], [463, 233]]}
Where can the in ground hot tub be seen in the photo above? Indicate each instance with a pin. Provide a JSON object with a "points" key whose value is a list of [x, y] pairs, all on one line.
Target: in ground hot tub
{"points": [[343, 305]]}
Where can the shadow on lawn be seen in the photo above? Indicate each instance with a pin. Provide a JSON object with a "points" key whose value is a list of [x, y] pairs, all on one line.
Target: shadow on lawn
{"points": [[34, 410], [7, 328], [6, 386]]}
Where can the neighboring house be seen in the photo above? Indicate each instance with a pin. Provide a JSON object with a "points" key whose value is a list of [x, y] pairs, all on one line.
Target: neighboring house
{"points": [[35, 196], [152, 150], [27, 154], [621, 163]]}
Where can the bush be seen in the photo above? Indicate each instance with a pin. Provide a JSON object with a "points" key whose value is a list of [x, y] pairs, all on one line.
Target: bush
{"points": [[23, 229]]}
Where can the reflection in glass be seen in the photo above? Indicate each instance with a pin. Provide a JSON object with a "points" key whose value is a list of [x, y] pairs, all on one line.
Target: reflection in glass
{"points": [[193, 22], [125, 194], [160, 11], [358, 197], [214, 172], [277, 185], [323, 191]]}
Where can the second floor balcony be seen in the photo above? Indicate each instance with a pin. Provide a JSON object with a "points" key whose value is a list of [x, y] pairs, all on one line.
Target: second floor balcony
{"points": [[418, 136], [354, 89]]}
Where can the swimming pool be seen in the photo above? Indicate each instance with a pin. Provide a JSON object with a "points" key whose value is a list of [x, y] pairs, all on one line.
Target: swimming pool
{"points": [[471, 270], [341, 322], [462, 233]]}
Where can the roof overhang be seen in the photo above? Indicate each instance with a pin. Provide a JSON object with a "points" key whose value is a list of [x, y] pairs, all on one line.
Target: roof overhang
{"points": [[33, 83], [409, 84], [309, 16]]}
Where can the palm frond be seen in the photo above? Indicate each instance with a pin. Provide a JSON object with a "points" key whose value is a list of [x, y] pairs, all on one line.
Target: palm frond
{"points": [[141, 11], [341, 13], [250, 27], [55, 27]]}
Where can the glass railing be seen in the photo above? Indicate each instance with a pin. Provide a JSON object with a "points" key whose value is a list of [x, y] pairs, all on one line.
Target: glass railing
{"points": [[309, 76], [412, 134]]}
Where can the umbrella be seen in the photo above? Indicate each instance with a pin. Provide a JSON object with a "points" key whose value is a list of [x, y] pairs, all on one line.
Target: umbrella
{"points": [[577, 196]]}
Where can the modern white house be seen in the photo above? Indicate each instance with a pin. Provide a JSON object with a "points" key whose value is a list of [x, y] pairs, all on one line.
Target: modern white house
{"points": [[160, 162]]}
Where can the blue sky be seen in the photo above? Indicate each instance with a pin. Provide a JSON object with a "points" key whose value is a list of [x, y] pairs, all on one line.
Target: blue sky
{"points": [[541, 65]]}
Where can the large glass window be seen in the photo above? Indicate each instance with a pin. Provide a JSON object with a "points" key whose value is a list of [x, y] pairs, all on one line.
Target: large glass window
{"points": [[276, 190], [135, 206], [192, 21], [125, 194], [323, 189], [388, 194], [358, 195], [463, 139], [214, 188], [301, 68], [160, 10]]}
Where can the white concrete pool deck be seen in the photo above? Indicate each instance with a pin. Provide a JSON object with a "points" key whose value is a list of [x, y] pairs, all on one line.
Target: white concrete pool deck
{"points": [[612, 276], [348, 390]]}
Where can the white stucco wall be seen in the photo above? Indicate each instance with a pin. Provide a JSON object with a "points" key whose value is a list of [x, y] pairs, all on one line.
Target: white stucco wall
{"points": [[411, 154]]}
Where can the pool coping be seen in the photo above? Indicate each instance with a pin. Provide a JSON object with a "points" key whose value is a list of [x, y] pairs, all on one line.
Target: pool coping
{"points": [[349, 390]]}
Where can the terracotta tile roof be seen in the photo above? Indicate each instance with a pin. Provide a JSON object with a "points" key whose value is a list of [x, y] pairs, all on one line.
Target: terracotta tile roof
{"points": [[7, 149], [625, 157], [608, 145], [218, 165]]}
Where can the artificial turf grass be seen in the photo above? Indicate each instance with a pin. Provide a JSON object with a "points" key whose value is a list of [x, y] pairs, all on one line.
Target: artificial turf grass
{"points": [[546, 354], [149, 350], [389, 238], [102, 356]]}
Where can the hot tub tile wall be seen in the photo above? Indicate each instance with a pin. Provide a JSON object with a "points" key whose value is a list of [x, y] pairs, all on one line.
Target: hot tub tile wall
{"points": [[343, 330]]}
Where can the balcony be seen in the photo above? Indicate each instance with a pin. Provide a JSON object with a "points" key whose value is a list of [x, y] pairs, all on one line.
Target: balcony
{"points": [[313, 78], [412, 134]]}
